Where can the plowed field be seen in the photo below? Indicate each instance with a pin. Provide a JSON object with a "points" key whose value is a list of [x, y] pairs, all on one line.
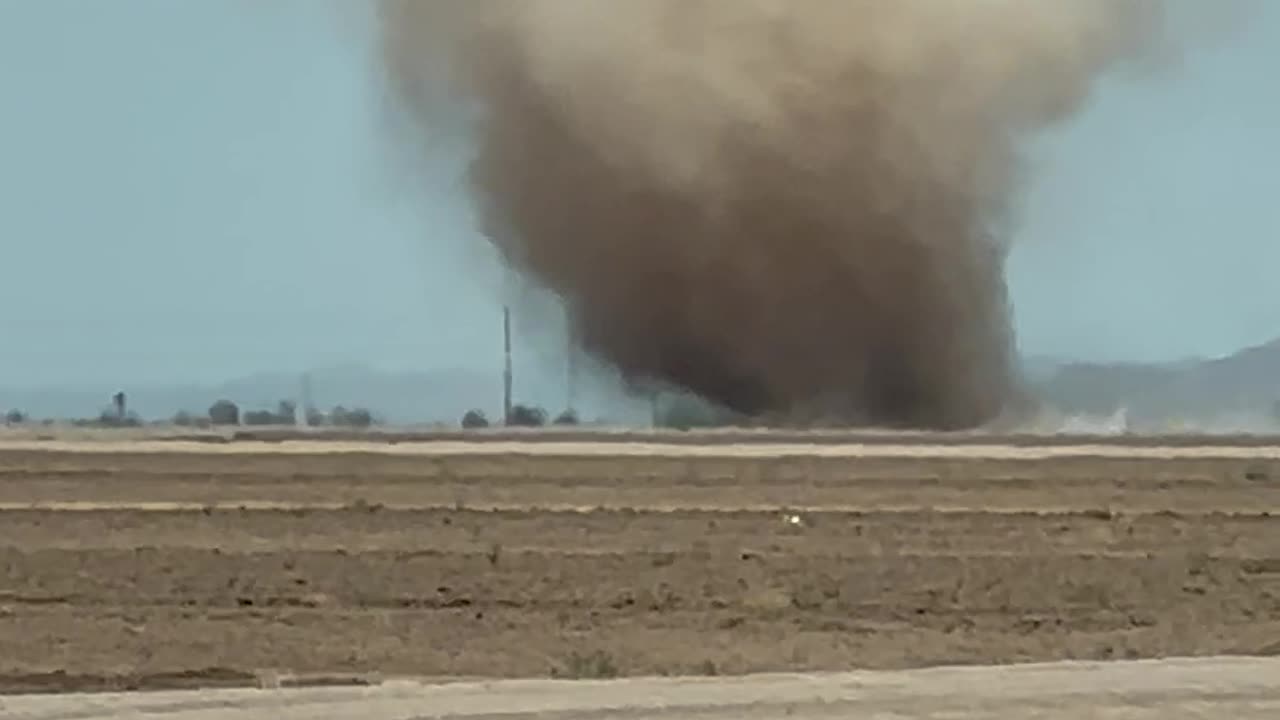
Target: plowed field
{"points": [[153, 565]]}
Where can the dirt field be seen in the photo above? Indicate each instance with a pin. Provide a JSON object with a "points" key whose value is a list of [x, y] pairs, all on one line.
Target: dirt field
{"points": [[171, 564]]}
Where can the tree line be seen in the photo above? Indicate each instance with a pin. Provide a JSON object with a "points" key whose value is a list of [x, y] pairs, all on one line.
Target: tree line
{"points": [[222, 413], [521, 416], [226, 413], [680, 413]]}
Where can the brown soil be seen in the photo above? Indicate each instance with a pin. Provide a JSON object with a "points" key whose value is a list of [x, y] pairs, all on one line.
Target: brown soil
{"points": [[139, 570]]}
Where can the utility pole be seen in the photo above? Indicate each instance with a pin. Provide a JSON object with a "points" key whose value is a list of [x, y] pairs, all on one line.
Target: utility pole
{"points": [[571, 371], [305, 405], [506, 372]]}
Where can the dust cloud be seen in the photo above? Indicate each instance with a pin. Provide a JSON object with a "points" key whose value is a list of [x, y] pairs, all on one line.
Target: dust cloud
{"points": [[797, 209]]}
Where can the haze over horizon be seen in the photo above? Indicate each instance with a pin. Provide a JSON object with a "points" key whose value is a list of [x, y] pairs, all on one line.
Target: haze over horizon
{"points": [[196, 192]]}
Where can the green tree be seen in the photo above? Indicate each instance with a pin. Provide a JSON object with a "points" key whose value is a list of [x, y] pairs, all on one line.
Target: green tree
{"points": [[474, 420], [527, 416], [259, 418], [15, 417], [286, 412], [224, 412], [354, 418]]}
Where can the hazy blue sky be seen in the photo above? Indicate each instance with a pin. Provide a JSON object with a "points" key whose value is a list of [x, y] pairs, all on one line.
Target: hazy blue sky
{"points": [[191, 191]]}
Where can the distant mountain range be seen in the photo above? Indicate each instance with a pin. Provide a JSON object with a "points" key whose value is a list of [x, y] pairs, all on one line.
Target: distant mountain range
{"points": [[1237, 392]]}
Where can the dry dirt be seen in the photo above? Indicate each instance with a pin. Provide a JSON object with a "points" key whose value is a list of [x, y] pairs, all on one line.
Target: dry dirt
{"points": [[153, 565], [1201, 689]]}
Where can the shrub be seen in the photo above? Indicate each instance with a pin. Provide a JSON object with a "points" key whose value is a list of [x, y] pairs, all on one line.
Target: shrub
{"points": [[598, 665], [568, 417], [15, 417], [474, 420]]}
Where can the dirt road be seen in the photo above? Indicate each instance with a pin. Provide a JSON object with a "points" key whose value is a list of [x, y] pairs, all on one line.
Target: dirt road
{"points": [[137, 566], [1177, 690]]}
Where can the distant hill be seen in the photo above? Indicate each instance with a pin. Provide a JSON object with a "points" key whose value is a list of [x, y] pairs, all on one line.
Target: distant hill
{"points": [[1242, 388]]}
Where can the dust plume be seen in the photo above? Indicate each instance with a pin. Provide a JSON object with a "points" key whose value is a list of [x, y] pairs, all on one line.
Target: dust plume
{"points": [[794, 208]]}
